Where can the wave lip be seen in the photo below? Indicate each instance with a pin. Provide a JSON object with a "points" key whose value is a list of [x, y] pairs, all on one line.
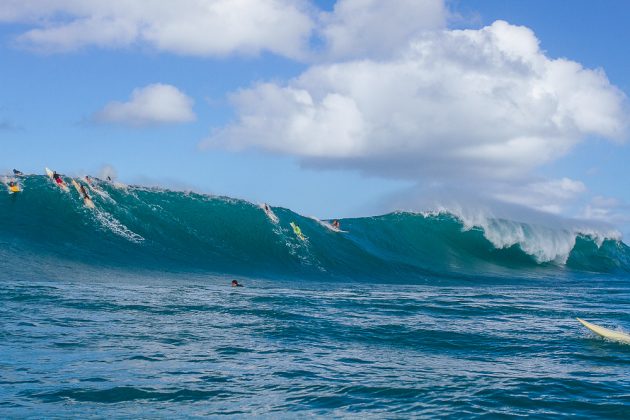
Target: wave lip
{"points": [[152, 228]]}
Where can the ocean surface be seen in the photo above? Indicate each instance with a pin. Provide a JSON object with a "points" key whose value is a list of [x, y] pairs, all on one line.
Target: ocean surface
{"points": [[126, 310]]}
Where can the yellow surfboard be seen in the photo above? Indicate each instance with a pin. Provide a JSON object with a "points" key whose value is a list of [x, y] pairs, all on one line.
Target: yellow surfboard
{"points": [[606, 333], [297, 231]]}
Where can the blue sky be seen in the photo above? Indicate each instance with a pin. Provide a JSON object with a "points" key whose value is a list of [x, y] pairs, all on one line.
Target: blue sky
{"points": [[333, 106]]}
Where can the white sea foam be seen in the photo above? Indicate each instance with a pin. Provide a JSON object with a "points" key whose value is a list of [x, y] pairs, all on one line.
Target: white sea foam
{"points": [[110, 222], [549, 240]]}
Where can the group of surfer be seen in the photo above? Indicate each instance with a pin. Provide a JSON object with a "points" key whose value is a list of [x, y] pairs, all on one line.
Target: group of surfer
{"points": [[296, 229], [81, 189], [14, 186]]}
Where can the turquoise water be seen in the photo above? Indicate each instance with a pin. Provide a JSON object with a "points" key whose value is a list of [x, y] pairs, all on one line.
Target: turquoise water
{"points": [[127, 311]]}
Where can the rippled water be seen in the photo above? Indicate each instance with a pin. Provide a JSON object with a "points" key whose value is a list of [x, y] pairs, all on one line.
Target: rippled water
{"points": [[120, 344]]}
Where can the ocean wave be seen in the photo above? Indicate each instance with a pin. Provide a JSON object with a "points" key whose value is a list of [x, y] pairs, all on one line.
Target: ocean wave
{"points": [[153, 228]]}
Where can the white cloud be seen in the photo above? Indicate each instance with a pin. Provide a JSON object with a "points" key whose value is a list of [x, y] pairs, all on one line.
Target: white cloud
{"points": [[485, 103], [376, 28], [190, 27], [355, 28], [550, 196], [607, 209], [153, 104]]}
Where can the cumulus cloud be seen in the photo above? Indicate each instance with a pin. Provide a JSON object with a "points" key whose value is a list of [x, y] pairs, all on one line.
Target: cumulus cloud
{"points": [[486, 103], [376, 28], [153, 104], [354, 28], [190, 27]]}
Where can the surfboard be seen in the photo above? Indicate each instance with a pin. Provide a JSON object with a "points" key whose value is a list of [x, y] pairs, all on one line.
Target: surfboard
{"points": [[328, 225], [606, 333], [63, 185], [297, 231], [12, 189], [86, 200], [270, 214], [333, 228]]}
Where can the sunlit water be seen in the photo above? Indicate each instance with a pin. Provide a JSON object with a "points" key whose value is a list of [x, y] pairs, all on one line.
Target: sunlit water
{"points": [[123, 344]]}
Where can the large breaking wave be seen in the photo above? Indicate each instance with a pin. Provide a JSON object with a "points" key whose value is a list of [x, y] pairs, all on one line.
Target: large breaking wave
{"points": [[156, 229]]}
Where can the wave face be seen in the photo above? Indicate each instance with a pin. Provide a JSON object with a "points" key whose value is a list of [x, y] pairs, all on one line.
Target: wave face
{"points": [[155, 229]]}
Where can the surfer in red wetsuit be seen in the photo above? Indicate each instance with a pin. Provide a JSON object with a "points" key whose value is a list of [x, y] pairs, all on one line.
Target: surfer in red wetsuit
{"points": [[57, 178]]}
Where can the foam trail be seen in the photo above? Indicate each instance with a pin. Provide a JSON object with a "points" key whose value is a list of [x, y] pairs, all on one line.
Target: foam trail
{"points": [[109, 222]]}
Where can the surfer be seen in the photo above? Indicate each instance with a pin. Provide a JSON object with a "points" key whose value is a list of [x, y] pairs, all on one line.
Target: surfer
{"points": [[57, 178], [84, 193], [13, 187], [235, 283], [336, 224], [267, 209], [17, 173], [88, 180]]}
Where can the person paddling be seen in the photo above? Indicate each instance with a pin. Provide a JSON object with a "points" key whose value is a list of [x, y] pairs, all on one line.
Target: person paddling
{"points": [[13, 186], [84, 193], [57, 178]]}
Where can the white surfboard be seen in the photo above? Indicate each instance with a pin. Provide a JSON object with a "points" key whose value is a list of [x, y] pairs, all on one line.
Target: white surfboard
{"points": [[328, 225], [270, 214], [333, 228], [63, 185], [607, 333]]}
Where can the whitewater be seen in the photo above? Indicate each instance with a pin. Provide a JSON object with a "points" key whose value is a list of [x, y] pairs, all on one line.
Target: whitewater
{"points": [[126, 310]]}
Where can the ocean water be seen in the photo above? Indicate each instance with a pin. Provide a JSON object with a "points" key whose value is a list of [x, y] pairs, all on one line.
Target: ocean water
{"points": [[127, 311]]}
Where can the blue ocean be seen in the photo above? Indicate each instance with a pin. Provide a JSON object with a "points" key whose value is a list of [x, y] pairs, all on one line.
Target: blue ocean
{"points": [[126, 310]]}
